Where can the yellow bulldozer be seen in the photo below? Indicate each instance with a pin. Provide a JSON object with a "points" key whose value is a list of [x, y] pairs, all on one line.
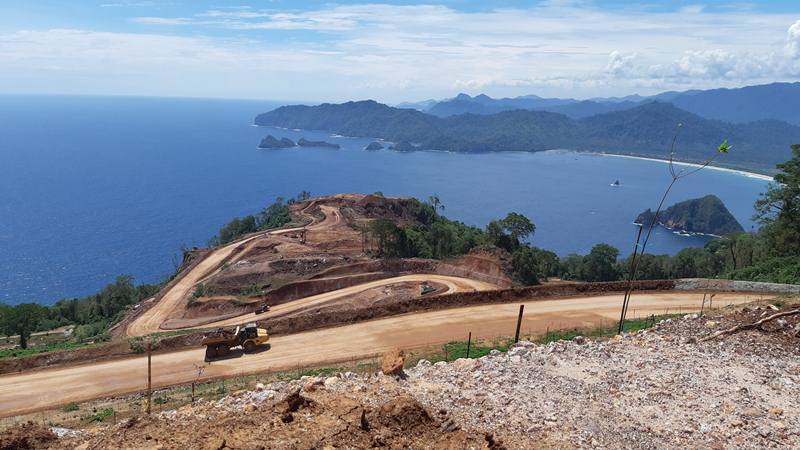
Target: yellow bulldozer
{"points": [[220, 342]]}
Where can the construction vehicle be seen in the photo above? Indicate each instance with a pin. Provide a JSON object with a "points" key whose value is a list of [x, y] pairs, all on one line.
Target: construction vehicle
{"points": [[220, 342], [427, 288]]}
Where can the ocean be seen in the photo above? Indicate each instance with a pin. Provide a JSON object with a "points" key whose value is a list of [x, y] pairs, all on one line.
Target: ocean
{"points": [[94, 187]]}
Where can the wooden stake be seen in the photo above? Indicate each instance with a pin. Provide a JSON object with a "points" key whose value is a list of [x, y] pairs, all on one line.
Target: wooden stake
{"points": [[519, 323], [469, 343], [149, 377]]}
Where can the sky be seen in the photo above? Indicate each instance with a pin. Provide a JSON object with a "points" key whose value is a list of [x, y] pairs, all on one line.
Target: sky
{"points": [[392, 52]]}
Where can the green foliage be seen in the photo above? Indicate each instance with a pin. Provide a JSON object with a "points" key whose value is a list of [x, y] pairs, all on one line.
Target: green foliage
{"points": [[92, 332], [236, 228], [277, 214], [70, 407], [778, 209], [784, 269], [435, 236], [99, 416], [530, 264], [137, 344], [273, 216], [600, 264], [52, 347], [253, 290], [22, 320], [199, 291], [699, 215], [108, 305], [631, 325]]}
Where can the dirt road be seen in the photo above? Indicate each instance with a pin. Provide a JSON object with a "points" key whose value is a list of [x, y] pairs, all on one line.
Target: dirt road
{"points": [[174, 299], [453, 284], [31, 391]]}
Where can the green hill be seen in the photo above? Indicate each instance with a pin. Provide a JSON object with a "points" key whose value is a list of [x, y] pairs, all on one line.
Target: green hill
{"points": [[707, 215]]}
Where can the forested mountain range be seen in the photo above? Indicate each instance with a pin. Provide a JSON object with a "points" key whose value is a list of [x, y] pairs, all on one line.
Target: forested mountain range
{"points": [[645, 130], [747, 104]]}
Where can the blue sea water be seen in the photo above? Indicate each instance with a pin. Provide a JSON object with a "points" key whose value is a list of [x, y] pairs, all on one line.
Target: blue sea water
{"points": [[94, 187]]}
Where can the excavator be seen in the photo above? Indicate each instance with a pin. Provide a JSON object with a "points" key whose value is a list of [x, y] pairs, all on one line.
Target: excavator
{"points": [[220, 342]]}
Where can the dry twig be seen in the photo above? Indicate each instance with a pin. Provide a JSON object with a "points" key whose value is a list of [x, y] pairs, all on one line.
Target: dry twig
{"points": [[750, 326]]}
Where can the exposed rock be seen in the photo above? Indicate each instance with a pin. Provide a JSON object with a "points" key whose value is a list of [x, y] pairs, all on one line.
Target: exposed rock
{"points": [[272, 142], [374, 146]]}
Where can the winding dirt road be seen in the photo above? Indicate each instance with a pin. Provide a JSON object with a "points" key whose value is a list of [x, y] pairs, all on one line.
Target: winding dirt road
{"points": [[27, 392], [175, 297], [453, 284]]}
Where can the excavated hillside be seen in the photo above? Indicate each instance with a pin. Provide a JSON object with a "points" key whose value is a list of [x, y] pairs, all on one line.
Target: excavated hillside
{"points": [[325, 249], [692, 382]]}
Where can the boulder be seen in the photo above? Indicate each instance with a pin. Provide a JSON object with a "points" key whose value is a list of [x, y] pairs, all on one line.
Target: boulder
{"points": [[392, 362]]}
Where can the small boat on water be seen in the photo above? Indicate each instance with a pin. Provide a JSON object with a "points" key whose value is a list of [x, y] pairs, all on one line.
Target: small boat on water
{"points": [[615, 184]]}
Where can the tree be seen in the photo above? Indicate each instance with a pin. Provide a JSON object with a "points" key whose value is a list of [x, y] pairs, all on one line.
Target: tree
{"points": [[530, 264], [385, 231], [518, 226], [600, 264], [434, 201], [778, 209], [275, 215], [22, 320]]}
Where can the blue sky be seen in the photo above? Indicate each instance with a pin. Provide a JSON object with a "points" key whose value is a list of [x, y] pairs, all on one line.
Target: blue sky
{"points": [[392, 52]]}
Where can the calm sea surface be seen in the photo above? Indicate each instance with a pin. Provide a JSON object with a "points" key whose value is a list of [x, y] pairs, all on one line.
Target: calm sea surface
{"points": [[93, 187]]}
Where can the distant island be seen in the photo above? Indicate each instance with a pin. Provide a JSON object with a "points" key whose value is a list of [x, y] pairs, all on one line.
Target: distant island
{"points": [[303, 142], [375, 145], [644, 130], [705, 215], [272, 142]]}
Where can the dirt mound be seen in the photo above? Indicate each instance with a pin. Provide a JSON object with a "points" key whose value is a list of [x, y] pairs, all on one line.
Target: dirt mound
{"points": [[26, 436], [300, 421]]}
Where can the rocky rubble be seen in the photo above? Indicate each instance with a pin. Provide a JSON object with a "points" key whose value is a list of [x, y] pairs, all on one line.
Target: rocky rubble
{"points": [[658, 388]]}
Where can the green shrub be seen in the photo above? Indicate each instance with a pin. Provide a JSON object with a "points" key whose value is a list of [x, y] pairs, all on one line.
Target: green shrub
{"points": [[99, 416]]}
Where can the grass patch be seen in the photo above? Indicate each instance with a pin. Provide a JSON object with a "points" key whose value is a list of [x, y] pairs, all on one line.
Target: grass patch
{"points": [[70, 407], [52, 347], [99, 416], [458, 349]]}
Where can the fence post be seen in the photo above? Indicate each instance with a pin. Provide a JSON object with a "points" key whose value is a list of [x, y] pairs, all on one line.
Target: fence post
{"points": [[519, 323], [192, 391], [149, 377], [702, 305], [469, 343]]}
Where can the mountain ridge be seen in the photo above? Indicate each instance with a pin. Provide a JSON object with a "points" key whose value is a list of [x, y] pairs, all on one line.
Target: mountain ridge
{"points": [[645, 130], [735, 105]]}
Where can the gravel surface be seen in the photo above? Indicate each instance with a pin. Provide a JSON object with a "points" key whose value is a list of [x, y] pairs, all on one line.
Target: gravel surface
{"points": [[658, 388]]}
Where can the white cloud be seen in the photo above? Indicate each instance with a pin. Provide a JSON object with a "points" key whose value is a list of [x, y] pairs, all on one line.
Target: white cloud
{"points": [[793, 40], [163, 21], [394, 53]]}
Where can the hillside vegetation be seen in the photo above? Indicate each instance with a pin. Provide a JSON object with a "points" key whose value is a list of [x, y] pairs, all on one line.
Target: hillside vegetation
{"points": [[644, 130], [707, 215]]}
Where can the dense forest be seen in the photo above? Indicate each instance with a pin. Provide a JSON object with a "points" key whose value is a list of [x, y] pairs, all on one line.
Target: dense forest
{"points": [[638, 130]]}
